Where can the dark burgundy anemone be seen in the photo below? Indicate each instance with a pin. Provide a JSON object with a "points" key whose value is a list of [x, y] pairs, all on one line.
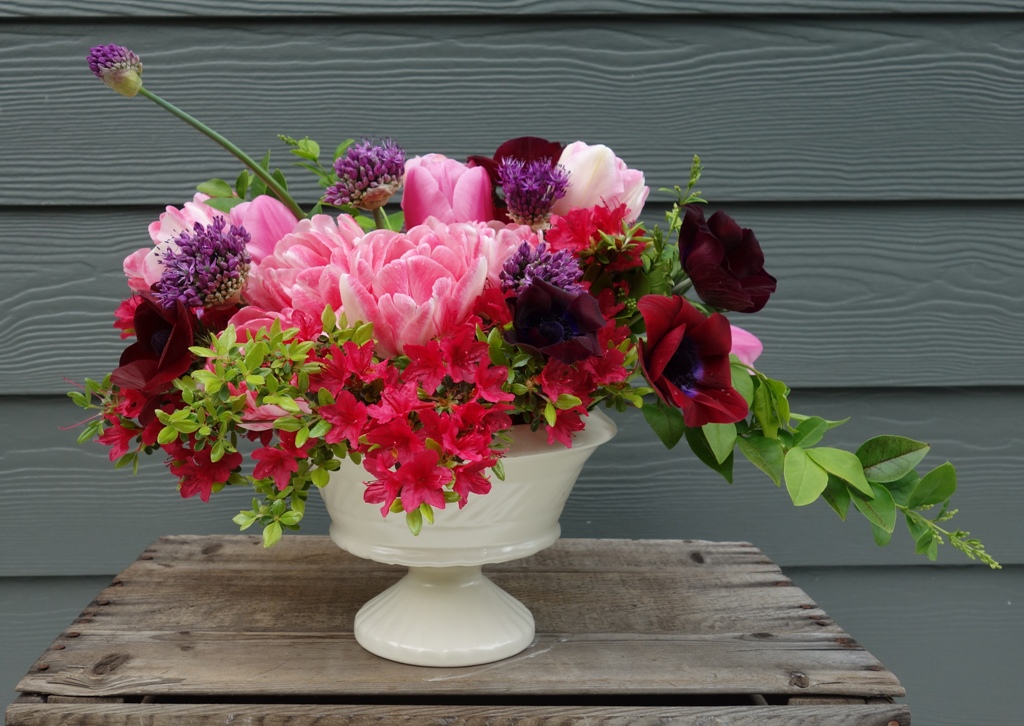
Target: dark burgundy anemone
{"points": [[724, 261], [161, 351], [556, 323], [685, 356], [524, 149]]}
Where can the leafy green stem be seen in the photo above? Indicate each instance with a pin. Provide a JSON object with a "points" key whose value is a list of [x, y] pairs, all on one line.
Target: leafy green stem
{"points": [[254, 167]]}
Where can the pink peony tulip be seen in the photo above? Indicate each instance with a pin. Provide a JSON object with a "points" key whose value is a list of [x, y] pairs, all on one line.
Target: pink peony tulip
{"points": [[421, 284], [745, 346], [598, 177], [436, 186], [301, 272]]}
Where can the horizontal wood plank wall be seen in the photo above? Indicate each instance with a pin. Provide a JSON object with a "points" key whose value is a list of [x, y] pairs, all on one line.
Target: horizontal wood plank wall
{"points": [[874, 145]]}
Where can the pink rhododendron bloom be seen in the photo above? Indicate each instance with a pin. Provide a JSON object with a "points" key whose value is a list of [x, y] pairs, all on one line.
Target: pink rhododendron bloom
{"points": [[745, 345], [301, 272], [421, 284], [436, 186], [265, 219], [598, 177]]}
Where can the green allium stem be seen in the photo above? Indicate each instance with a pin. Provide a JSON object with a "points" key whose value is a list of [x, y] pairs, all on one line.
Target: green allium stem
{"points": [[682, 286], [379, 219], [255, 168]]}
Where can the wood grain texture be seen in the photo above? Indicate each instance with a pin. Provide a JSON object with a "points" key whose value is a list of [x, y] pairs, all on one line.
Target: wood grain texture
{"points": [[122, 646], [67, 9], [94, 520], [786, 109], [868, 296], [349, 715]]}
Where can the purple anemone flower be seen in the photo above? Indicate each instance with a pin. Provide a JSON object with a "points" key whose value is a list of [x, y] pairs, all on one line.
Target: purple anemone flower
{"points": [[556, 323]]}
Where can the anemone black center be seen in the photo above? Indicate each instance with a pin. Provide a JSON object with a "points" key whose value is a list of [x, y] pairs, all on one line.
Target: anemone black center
{"points": [[556, 327], [684, 366], [158, 341]]}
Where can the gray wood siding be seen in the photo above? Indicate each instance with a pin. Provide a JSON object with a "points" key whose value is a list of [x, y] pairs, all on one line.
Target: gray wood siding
{"points": [[875, 146]]}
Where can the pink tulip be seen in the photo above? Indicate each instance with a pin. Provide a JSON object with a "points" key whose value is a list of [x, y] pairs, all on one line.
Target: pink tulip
{"points": [[418, 285], [745, 346], [436, 186], [266, 220], [598, 177]]}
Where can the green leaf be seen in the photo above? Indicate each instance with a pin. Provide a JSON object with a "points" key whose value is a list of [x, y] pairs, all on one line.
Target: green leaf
{"points": [[765, 412], [428, 512], [810, 431], [566, 401], [290, 519], [223, 204], [721, 439], [242, 184], [935, 487], [271, 534], [843, 464], [414, 520], [167, 435], [702, 449], [320, 477], [888, 458], [666, 421], [879, 510], [901, 488], [216, 188], [321, 428], [882, 538], [743, 382], [805, 480], [244, 520], [837, 496], [766, 454]]}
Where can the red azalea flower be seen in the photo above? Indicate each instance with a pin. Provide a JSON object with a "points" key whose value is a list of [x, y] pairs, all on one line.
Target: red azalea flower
{"points": [[489, 381], [275, 463], [124, 316], [161, 351], [582, 231], [347, 417], [492, 306], [566, 424], [724, 261], [686, 359], [118, 437], [422, 480], [470, 478]]}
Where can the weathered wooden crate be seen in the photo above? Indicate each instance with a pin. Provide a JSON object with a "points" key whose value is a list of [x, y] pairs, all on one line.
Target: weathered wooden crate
{"points": [[217, 630]]}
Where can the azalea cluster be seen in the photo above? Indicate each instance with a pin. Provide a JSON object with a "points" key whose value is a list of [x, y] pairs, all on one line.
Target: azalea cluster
{"points": [[517, 287]]}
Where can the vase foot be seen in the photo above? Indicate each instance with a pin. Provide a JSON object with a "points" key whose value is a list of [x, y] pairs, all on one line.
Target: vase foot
{"points": [[444, 617]]}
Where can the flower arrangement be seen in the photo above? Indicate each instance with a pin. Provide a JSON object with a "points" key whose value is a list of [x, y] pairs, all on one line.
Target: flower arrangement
{"points": [[520, 287]]}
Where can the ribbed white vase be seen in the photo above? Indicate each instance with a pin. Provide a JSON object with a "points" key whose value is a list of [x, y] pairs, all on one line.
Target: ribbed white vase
{"points": [[445, 612]]}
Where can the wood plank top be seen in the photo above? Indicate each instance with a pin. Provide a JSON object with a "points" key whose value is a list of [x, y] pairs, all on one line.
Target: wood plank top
{"points": [[219, 617]]}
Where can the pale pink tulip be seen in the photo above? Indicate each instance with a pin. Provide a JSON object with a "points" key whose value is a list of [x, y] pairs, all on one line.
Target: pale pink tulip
{"points": [[436, 186], [598, 177], [745, 345], [266, 220]]}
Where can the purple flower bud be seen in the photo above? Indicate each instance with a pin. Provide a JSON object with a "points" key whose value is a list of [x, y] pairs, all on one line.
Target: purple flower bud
{"points": [[205, 268], [368, 175], [117, 67], [529, 263], [531, 189]]}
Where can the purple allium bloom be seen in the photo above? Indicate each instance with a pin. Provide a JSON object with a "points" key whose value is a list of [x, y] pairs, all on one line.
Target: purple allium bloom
{"points": [[117, 67], [531, 188], [368, 174], [207, 268], [528, 264]]}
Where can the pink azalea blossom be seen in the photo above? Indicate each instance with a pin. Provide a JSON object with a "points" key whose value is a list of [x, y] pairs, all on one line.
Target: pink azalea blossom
{"points": [[422, 284], [436, 186], [598, 177], [745, 345]]}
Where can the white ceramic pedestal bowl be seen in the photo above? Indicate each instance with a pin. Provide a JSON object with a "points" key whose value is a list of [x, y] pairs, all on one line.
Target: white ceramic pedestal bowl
{"points": [[445, 612]]}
